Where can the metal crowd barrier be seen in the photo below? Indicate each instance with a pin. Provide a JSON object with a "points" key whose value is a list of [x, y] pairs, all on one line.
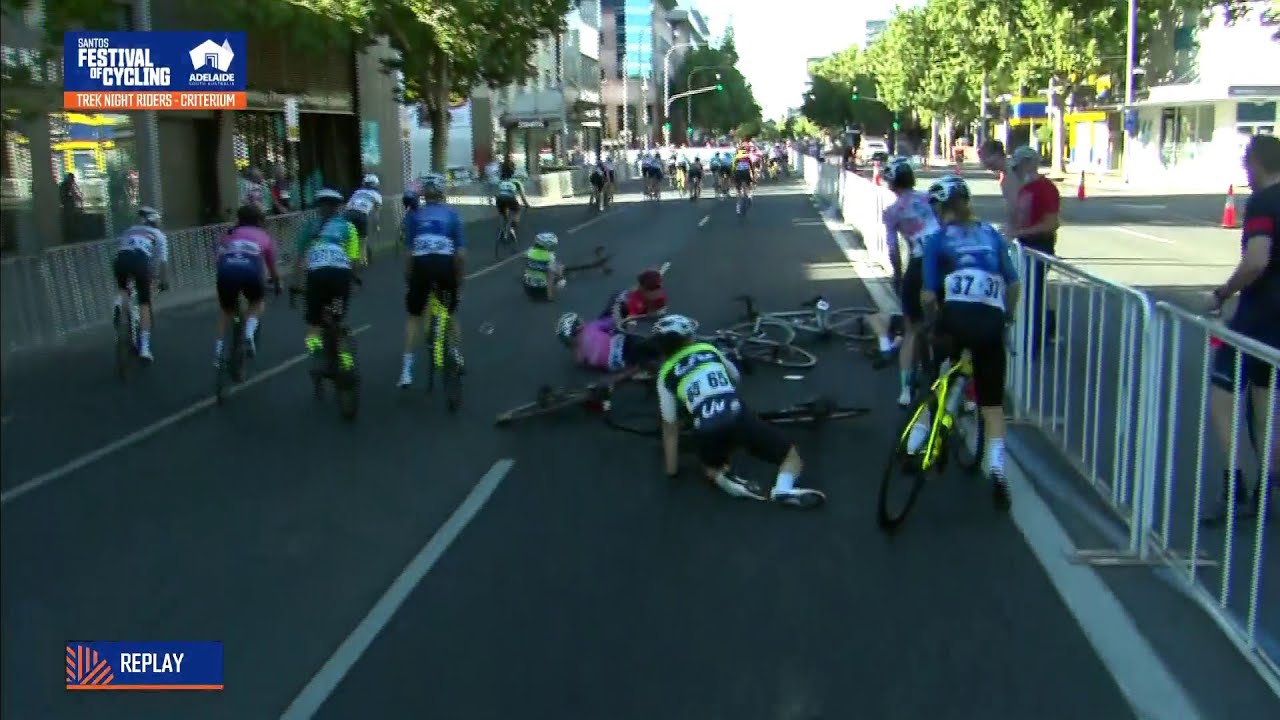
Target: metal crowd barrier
{"points": [[1108, 381]]}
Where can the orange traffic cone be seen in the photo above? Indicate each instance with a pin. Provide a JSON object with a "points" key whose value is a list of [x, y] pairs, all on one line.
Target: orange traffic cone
{"points": [[875, 172], [1229, 210], [1080, 187]]}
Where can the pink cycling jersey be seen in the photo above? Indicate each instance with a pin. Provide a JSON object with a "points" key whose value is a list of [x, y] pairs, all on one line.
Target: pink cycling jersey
{"points": [[911, 216], [598, 347], [252, 241]]}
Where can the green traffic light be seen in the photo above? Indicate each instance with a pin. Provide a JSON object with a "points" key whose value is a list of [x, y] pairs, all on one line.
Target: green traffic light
{"points": [[719, 87], [853, 96], [895, 124]]}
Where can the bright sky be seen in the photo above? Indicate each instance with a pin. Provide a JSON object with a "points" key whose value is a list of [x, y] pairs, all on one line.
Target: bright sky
{"points": [[776, 39]]}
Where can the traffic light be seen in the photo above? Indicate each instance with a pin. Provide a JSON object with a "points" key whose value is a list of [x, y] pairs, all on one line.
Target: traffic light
{"points": [[854, 96], [719, 86], [895, 124], [688, 131], [666, 127]]}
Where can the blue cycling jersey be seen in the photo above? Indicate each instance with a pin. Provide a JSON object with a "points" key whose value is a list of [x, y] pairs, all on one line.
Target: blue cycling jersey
{"points": [[433, 229], [968, 263]]}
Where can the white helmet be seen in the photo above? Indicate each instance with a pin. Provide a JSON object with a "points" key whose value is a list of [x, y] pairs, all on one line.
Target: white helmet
{"points": [[371, 181], [546, 240], [433, 185], [568, 327], [329, 194], [949, 188], [899, 168], [678, 325], [1024, 154], [149, 215]]}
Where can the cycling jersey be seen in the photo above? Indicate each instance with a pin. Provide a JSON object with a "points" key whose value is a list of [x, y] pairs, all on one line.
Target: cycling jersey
{"points": [[599, 347], [329, 243], [246, 249], [507, 190], [147, 240], [742, 162], [538, 262], [433, 229], [969, 264], [699, 380], [715, 162], [633, 303], [365, 200], [911, 216]]}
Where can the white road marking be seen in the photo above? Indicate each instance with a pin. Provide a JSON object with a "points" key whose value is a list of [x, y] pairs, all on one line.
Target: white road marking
{"points": [[495, 266], [705, 219], [137, 436], [1140, 206], [326, 680], [594, 220], [1139, 671], [1145, 236]]}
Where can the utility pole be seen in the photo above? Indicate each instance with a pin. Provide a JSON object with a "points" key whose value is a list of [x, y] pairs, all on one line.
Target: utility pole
{"points": [[983, 109], [624, 134], [1131, 56], [644, 104]]}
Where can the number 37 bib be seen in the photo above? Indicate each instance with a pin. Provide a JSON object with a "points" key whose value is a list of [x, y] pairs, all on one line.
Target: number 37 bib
{"points": [[972, 285]]}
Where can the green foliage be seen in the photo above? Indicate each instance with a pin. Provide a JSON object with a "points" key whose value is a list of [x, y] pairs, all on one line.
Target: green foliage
{"points": [[799, 126], [60, 16], [731, 105], [843, 92]]}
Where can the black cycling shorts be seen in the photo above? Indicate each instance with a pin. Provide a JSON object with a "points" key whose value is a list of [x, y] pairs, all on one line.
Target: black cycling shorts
{"points": [[360, 220], [742, 177], [537, 292], [430, 274], [507, 202], [232, 282], [980, 330], [724, 170], [612, 177], [912, 286], [134, 265], [597, 180], [695, 173], [763, 441], [323, 286]]}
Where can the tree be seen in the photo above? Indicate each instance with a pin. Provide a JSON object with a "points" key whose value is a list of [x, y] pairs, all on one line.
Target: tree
{"points": [[447, 47], [843, 92], [719, 111]]}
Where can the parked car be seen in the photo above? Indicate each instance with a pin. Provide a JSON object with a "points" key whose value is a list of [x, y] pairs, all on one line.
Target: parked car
{"points": [[875, 151]]}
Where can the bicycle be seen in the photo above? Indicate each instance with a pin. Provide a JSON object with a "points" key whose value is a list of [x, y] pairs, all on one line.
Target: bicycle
{"points": [[338, 342], [230, 368], [946, 407], [640, 418], [695, 188], [745, 343], [128, 336], [506, 242], [744, 204], [819, 319], [444, 356], [594, 398]]}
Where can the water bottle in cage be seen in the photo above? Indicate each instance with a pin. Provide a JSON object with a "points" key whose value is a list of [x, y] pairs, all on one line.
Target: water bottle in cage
{"points": [[822, 312]]}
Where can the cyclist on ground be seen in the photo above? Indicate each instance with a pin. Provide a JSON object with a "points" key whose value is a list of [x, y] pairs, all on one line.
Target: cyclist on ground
{"points": [[328, 252], [910, 216], [435, 259], [246, 256], [599, 346], [647, 297], [143, 254], [967, 265], [697, 381], [543, 272], [508, 198], [362, 211]]}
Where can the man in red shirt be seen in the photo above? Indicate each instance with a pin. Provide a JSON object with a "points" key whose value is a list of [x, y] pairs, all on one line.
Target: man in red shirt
{"points": [[1036, 226]]}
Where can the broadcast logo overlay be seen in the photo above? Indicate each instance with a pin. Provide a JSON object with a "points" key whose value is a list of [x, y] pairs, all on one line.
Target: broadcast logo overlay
{"points": [[144, 666], [113, 71]]}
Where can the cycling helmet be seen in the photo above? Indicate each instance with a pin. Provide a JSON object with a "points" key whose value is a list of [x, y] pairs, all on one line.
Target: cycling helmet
{"points": [[249, 215], [949, 188], [546, 240], [1024, 154], [568, 327], [899, 173], [411, 199], [675, 326], [371, 181], [649, 280], [149, 215], [329, 195], [433, 186]]}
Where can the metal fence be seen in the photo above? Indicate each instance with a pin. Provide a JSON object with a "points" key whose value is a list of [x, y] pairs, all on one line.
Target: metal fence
{"points": [[1122, 385]]}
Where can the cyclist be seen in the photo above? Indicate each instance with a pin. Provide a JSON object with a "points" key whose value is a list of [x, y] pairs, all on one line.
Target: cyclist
{"points": [[682, 172], [696, 380], [245, 254], [646, 297], [910, 216], [598, 178], [714, 166], [967, 263], [362, 211], [435, 259], [543, 273], [597, 344], [508, 198], [743, 174], [411, 200], [328, 251], [673, 165], [142, 255], [695, 178], [610, 180]]}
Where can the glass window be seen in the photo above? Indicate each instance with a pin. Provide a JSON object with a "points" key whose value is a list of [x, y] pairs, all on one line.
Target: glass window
{"points": [[1252, 112], [1204, 123]]}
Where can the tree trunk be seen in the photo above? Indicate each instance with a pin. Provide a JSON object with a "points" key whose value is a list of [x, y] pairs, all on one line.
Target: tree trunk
{"points": [[438, 115]]}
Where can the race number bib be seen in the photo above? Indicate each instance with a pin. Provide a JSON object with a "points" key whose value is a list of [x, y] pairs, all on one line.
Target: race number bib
{"points": [[137, 241], [429, 243], [362, 203], [707, 383], [975, 286], [327, 255]]}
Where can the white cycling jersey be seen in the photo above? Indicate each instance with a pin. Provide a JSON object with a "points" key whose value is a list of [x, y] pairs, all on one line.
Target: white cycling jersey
{"points": [[147, 240], [365, 200]]}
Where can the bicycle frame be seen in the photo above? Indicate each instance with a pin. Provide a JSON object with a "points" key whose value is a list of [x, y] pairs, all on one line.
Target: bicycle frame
{"points": [[438, 317], [942, 419]]}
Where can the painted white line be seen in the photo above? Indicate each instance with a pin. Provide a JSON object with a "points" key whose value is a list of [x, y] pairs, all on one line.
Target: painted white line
{"points": [[594, 220], [1140, 206], [1145, 236], [495, 266], [326, 680], [705, 219], [137, 436], [1138, 670]]}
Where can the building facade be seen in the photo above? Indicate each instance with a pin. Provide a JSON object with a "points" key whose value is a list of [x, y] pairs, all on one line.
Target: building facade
{"points": [[636, 36]]}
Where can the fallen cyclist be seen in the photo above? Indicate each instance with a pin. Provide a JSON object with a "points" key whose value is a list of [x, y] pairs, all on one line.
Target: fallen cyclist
{"points": [[598, 345], [646, 298], [696, 380]]}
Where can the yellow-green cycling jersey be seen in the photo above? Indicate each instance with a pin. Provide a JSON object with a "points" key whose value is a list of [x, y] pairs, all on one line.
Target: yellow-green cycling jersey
{"points": [[538, 262], [702, 382], [329, 243]]}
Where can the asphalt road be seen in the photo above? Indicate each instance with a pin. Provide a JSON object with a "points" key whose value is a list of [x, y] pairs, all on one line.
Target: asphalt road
{"points": [[588, 585]]}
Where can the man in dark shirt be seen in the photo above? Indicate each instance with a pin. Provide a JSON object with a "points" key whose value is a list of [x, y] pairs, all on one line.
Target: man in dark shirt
{"points": [[1257, 315]]}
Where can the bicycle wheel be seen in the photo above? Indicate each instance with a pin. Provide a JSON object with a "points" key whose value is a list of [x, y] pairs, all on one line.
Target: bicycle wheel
{"points": [[969, 425], [813, 412], [124, 349], [347, 388], [452, 377], [787, 356], [849, 323], [775, 331], [549, 401], [634, 410], [904, 475]]}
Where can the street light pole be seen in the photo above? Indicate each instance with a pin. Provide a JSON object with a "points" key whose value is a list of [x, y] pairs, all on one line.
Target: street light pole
{"points": [[1131, 51], [666, 87], [688, 104]]}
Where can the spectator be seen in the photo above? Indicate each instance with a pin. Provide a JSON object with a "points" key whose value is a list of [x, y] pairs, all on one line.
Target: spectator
{"points": [[72, 201], [992, 157], [280, 196], [1257, 315], [1035, 225], [254, 190]]}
